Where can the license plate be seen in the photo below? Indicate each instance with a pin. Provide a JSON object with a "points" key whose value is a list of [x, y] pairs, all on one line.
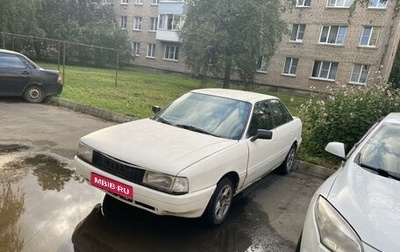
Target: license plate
{"points": [[111, 185]]}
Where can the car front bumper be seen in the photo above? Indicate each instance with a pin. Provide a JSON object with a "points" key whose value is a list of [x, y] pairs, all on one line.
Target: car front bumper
{"points": [[190, 205]]}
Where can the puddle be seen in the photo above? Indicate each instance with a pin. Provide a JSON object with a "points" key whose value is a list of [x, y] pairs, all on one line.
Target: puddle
{"points": [[52, 171], [11, 208], [20, 165]]}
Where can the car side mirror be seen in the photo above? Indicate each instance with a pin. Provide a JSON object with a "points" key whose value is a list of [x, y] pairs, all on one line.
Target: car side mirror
{"points": [[262, 134], [155, 109], [337, 149]]}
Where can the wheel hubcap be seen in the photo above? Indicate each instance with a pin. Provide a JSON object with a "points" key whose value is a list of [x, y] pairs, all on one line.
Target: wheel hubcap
{"points": [[290, 159], [223, 202], [34, 94]]}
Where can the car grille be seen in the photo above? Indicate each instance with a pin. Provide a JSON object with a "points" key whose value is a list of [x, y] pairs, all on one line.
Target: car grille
{"points": [[118, 168]]}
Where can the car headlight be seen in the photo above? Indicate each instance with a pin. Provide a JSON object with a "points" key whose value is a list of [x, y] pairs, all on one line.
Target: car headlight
{"points": [[335, 233], [166, 183], [84, 152]]}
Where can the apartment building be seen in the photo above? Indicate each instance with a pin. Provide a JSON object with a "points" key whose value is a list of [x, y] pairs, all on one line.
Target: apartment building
{"points": [[329, 43]]}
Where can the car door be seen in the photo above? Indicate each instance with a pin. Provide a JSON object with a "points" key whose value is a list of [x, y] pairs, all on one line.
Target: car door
{"points": [[283, 128], [14, 75], [262, 152]]}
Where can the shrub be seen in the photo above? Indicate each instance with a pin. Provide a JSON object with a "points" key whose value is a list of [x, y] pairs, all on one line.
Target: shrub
{"points": [[345, 114]]}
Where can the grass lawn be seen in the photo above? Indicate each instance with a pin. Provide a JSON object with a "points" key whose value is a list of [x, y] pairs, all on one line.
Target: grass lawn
{"points": [[137, 90]]}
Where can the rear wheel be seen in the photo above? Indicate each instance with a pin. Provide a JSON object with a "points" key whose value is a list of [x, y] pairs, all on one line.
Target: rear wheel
{"points": [[34, 94], [220, 203], [287, 165]]}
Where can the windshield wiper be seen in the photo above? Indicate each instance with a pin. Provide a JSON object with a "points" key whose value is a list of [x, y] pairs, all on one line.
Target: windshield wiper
{"points": [[379, 171], [160, 119], [196, 129]]}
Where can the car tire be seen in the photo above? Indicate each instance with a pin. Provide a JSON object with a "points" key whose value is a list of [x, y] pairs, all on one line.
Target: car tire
{"points": [[220, 203], [287, 165], [34, 94], [111, 206], [298, 245]]}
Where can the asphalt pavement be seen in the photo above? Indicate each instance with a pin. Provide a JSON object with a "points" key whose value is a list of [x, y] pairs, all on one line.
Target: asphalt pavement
{"points": [[46, 206]]}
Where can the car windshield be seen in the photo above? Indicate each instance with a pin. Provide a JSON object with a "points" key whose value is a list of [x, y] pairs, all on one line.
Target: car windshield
{"points": [[382, 151], [207, 114]]}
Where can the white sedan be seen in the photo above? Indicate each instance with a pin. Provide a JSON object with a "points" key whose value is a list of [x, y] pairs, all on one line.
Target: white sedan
{"points": [[193, 156], [358, 207]]}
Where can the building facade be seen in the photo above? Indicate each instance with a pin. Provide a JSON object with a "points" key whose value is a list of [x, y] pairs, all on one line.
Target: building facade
{"points": [[329, 43]]}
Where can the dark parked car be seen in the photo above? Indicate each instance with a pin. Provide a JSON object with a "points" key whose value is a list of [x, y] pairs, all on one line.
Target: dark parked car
{"points": [[20, 76]]}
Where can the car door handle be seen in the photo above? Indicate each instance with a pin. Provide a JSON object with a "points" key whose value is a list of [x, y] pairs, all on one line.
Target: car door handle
{"points": [[25, 73]]}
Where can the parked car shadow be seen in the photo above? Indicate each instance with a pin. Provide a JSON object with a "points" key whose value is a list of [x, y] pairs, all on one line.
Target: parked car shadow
{"points": [[136, 230], [126, 228], [9, 99]]}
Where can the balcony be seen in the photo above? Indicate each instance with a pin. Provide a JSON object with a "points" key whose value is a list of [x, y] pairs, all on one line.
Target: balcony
{"points": [[170, 19]]}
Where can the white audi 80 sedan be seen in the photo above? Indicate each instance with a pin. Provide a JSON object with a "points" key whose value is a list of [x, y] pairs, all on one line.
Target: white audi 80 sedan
{"points": [[358, 207], [193, 156]]}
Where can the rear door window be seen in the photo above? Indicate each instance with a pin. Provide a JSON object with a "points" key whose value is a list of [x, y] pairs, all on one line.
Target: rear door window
{"points": [[11, 62]]}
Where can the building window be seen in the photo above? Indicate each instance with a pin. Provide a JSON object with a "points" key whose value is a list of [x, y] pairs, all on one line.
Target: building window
{"points": [[135, 48], [377, 4], [369, 36], [290, 66], [303, 3], [154, 2], [124, 1], [123, 22], [153, 24], [333, 35], [151, 51], [262, 64], [325, 70], [171, 52], [169, 22], [137, 23], [360, 74], [138, 1], [340, 3], [297, 32]]}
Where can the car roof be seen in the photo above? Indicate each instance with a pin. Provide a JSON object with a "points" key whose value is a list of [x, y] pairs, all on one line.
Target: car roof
{"points": [[9, 51], [235, 94]]}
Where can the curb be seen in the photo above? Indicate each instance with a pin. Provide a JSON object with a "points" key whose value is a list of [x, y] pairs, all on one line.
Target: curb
{"points": [[301, 166], [93, 111], [312, 169]]}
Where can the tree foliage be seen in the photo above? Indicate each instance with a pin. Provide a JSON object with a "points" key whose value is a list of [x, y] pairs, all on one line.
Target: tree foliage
{"points": [[80, 21], [225, 35]]}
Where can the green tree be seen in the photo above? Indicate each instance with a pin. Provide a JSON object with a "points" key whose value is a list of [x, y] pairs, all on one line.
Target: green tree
{"points": [[84, 22], [223, 36], [19, 16], [395, 74]]}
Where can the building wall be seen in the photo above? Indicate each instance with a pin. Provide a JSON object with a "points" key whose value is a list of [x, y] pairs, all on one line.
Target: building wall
{"points": [[378, 58], [347, 54]]}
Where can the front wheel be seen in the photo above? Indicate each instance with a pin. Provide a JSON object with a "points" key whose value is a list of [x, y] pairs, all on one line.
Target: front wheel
{"points": [[298, 245], [111, 207], [287, 165], [220, 203], [34, 94]]}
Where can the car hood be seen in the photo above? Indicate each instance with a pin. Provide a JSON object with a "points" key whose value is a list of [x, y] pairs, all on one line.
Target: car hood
{"points": [[155, 146], [371, 204]]}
